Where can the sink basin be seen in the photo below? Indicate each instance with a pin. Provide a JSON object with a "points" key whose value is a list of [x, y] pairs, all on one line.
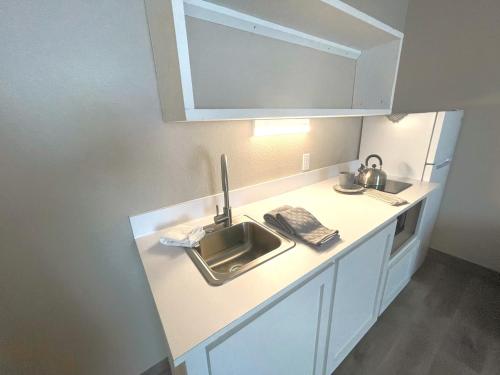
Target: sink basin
{"points": [[229, 252]]}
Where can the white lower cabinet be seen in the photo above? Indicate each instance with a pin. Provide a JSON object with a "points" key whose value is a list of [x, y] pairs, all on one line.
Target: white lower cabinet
{"points": [[400, 270], [288, 337], [310, 329], [357, 295]]}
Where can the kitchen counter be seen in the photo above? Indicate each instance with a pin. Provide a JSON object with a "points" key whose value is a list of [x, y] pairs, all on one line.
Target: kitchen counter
{"points": [[192, 311]]}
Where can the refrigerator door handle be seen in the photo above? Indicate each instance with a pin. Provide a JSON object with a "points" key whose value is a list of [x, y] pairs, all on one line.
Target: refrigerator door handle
{"points": [[440, 165]]}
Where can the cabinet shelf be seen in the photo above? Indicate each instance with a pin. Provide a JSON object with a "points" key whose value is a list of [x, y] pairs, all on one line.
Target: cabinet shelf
{"points": [[235, 59], [330, 20], [211, 12], [265, 113]]}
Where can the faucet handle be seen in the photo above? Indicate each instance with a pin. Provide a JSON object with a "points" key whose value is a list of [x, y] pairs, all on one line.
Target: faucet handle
{"points": [[217, 209]]}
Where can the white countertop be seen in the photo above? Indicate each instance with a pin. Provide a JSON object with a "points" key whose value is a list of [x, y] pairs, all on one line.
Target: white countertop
{"points": [[191, 310]]}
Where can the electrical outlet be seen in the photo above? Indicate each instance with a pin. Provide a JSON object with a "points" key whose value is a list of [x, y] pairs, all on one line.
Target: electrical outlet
{"points": [[305, 161]]}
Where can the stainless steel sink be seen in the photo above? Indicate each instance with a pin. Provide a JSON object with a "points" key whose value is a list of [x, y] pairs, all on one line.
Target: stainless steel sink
{"points": [[229, 252]]}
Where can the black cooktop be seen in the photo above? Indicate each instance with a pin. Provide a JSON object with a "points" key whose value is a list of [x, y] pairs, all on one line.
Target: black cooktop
{"points": [[394, 187]]}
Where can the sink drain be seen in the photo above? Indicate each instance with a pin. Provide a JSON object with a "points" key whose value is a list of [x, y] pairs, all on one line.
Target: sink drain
{"points": [[235, 267]]}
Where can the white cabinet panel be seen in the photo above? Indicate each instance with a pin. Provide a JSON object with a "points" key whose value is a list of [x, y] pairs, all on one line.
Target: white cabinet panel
{"points": [[227, 59], [357, 294], [287, 338], [429, 217], [445, 136], [399, 272]]}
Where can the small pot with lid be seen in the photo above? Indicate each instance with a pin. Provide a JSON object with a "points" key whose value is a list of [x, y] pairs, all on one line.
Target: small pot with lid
{"points": [[374, 178]]}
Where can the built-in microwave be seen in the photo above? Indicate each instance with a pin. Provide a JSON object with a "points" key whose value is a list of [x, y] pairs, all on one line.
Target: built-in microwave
{"points": [[406, 226]]}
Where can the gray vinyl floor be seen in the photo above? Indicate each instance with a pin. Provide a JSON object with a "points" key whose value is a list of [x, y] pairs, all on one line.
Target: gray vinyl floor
{"points": [[445, 322]]}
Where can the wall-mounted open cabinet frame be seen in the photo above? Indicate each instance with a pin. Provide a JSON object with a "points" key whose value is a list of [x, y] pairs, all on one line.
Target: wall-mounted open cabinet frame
{"points": [[240, 59]]}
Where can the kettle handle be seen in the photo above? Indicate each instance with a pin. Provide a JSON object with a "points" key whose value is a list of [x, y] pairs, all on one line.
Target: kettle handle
{"points": [[376, 157]]}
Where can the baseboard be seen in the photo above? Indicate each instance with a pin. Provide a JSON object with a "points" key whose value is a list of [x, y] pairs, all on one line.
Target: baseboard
{"points": [[461, 263]]}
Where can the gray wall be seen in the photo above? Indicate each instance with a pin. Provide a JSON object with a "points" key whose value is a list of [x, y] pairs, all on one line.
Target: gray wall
{"points": [[392, 12], [82, 146], [451, 60]]}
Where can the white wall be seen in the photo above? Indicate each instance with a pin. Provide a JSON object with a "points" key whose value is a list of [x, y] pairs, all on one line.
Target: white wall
{"points": [[82, 147], [451, 60]]}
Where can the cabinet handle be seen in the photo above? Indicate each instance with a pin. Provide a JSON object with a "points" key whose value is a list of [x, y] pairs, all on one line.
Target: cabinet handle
{"points": [[440, 165], [443, 164]]}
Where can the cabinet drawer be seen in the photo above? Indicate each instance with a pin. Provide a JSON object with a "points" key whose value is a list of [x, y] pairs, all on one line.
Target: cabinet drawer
{"points": [[399, 272]]}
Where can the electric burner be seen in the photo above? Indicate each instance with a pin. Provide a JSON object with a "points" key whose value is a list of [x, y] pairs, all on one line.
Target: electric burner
{"points": [[395, 187]]}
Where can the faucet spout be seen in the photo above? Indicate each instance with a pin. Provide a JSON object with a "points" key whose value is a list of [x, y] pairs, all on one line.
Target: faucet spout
{"points": [[225, 180], [226, 216]]}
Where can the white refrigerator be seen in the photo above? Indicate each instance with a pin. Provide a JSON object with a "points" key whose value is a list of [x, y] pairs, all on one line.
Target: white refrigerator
{"points": [[419, 146]]}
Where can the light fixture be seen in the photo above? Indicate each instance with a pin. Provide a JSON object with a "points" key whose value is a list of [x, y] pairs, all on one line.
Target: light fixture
{"points": [[263, 128]]}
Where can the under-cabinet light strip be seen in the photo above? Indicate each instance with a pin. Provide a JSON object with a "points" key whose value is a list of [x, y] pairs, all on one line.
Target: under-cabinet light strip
{"points": [[283, 126]]}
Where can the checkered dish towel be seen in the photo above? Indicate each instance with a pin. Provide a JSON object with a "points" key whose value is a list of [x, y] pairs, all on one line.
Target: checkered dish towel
{"points": [[300, 223]]}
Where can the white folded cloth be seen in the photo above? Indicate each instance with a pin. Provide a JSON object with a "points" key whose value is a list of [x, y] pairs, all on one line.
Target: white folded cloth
{"points": [[391, 199], [182, 235]]}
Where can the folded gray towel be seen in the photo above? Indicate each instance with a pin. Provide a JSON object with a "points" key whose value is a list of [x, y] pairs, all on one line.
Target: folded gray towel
{"points": [[271, 217], [300, 223]]}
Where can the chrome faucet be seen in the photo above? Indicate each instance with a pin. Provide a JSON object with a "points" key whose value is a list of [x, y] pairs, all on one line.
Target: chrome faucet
{"points": [[226, 216]]}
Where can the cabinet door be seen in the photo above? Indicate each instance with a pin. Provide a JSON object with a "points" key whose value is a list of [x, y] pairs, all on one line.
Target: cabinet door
{"points": [[357, 294], [287, 338]]}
